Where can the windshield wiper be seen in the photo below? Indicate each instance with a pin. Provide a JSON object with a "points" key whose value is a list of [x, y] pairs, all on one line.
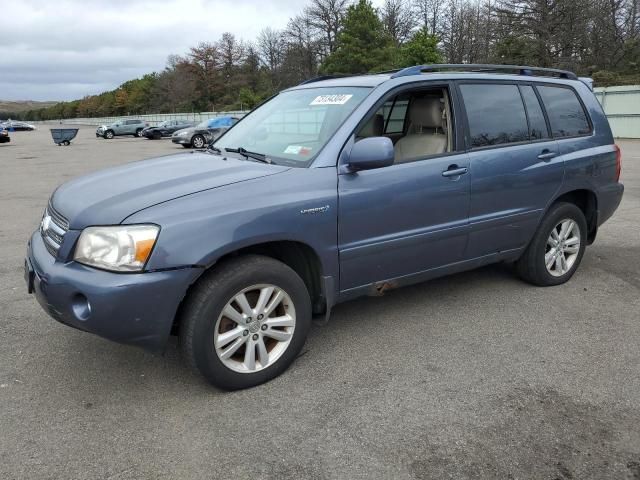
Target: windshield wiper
{"points": [[261, 157], [211, 148]]}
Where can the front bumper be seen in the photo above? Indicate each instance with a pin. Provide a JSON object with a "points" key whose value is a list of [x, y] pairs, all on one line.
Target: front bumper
{"points": [[186, 140], [136, 308]]}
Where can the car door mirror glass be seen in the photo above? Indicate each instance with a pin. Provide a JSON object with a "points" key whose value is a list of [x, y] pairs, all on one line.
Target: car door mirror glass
{"points": [[370, 153]]}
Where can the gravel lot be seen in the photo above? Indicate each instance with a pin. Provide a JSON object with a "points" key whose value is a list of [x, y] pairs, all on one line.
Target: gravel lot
{"points": [[478, 375]]}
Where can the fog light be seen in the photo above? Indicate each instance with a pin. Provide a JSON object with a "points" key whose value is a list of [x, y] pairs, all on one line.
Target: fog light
{"points": [[81, 307]]}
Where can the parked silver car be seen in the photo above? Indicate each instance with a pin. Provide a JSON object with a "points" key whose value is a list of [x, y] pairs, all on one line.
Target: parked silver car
{"points": [[121, 127]]}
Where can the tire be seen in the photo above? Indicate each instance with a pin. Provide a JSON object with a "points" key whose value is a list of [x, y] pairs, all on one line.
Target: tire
{"points": [[532, 266], [203, 322], [198, 141], [109, 134], [138, 133]]}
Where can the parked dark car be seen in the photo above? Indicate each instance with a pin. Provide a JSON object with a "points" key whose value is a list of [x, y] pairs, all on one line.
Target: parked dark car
{"points": [[122, 127], [332, 189], [165, 129], [203, 133], [4, 135], [16, 126]]}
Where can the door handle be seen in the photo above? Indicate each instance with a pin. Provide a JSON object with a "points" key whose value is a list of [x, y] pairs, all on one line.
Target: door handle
{"points": [[454, 171], [547, 155]]}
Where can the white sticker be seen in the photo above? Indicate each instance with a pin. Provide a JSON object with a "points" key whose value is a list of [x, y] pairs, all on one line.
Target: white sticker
{"points": [[331, 99], [297, 150]]}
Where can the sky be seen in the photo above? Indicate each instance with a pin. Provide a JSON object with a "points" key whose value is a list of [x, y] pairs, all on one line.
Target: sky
{"points": [[66, 49]]}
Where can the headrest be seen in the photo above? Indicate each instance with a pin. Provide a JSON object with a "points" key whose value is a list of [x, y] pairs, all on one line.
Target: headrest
{"points": [[374, 127], [425, 112]]}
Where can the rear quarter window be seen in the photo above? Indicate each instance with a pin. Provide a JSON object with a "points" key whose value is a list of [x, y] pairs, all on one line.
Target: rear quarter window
{"points": [[566, 114]]}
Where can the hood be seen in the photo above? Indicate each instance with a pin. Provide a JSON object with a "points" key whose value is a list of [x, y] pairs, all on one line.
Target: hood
{"points": [[109, 196]]}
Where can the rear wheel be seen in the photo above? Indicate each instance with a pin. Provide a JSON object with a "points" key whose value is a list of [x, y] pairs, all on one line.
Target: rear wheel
{"points": [[138, 132], [197, 141], [556, 250], [246, 322], [108, 134]]}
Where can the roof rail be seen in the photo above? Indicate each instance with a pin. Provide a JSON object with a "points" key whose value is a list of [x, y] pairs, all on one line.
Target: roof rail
{"points": [[479, 67], [322, 77]]}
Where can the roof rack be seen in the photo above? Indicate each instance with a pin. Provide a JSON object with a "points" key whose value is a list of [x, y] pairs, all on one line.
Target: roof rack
{"points": [[322, 77], [478, 67]]}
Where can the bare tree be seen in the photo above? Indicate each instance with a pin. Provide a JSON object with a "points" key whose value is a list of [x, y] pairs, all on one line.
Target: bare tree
{"points": [[431, 13], [271, 46], [399, 19], [326, 16]]}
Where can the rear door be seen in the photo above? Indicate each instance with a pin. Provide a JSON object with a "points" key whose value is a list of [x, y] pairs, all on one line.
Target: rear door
{"points": [[514, 162]]}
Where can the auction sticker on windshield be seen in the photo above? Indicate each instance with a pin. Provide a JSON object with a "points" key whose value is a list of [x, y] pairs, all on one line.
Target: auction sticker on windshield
{"points": [[331, 99], [297, 150]]}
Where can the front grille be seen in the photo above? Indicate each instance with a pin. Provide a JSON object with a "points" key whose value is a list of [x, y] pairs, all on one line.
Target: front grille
{"points": [[53, 227]]}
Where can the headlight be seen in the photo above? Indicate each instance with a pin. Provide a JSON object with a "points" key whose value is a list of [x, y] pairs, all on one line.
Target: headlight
{"points": [[124, 248], [182, 134]]}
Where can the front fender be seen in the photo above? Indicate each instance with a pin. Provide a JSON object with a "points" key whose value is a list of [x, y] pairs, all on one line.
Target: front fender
{"points": [[298, 205]]}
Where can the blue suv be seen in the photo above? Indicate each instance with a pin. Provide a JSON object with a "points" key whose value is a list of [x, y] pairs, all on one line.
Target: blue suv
{"points": [[333, 189]]}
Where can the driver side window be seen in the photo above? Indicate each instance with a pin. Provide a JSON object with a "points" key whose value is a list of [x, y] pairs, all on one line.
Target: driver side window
{"points": [[417, 122]]}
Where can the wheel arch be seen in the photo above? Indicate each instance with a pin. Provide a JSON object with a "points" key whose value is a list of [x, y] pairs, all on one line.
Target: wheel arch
{"points": [[587, 201], [299, 256]]}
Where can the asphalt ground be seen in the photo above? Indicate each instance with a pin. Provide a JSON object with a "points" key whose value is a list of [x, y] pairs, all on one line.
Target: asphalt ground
{"points": [[477, 375]]}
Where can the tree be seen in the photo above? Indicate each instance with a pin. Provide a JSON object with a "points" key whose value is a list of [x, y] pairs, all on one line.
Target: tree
{"points": [[430, 12], [398, 19], [421, 49], [326, 16], [363, 45]]}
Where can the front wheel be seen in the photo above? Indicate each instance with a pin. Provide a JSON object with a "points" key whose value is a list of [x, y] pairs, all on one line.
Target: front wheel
{"points": [[246, 322], [197, 141], [556, 249], [108, 134]]}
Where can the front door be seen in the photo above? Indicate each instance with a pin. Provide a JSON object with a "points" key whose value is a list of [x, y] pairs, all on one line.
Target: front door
{"points": [[412, 216]]}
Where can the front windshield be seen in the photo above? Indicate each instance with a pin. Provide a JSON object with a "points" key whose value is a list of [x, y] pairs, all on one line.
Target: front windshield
{"points": [[292, 128]]}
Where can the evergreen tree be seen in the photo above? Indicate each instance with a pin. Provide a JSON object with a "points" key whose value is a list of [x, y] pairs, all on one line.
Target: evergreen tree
{"points": [[422, 48], [363, 44]]}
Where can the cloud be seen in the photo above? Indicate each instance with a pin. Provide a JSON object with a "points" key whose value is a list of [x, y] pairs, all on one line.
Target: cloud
{"points": [[66, 49]]}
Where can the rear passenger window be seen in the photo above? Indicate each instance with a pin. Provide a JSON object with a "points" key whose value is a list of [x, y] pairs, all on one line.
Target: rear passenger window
{"points": [[566, 115], [537, 123], [495, 113]]}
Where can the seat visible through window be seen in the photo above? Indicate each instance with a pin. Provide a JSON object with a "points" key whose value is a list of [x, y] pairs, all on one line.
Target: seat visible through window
{"points": [[425, 133]]}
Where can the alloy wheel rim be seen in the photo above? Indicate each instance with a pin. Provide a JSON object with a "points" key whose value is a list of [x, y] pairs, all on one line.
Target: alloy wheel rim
{"points": [[198, 142], [255, 328], [563, 247]]}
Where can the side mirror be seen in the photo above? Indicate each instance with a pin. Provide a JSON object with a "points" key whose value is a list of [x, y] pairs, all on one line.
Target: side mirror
{"points": [[370, 153]]}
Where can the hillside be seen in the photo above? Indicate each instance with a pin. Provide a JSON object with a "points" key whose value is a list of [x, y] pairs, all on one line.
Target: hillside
{"points": [[23, 105]]}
